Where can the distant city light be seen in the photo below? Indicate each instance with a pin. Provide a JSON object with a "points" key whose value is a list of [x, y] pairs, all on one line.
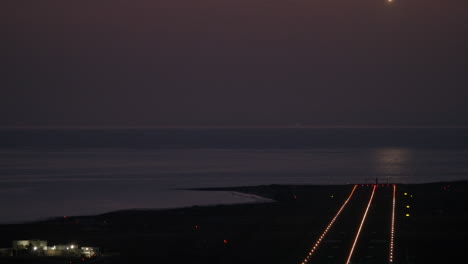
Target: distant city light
{"points": [[407, 214], [407, 206]]}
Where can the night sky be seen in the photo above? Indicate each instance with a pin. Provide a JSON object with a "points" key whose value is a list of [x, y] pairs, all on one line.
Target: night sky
{"points": [[233, 62]]}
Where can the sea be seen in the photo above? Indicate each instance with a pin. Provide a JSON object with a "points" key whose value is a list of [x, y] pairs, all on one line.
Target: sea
{"points": [[63, 172]]}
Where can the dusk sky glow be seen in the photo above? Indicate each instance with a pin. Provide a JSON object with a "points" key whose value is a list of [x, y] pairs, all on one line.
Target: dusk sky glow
{"points": [[225, 62]]}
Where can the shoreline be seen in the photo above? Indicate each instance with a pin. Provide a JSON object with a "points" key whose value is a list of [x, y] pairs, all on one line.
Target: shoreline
{"points": [[272, 193], [274, 232], [228, 197]]}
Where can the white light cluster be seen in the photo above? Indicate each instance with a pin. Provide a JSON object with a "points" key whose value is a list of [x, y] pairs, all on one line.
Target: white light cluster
{"points": [[393, 226], [360, 227], [314, 248]]}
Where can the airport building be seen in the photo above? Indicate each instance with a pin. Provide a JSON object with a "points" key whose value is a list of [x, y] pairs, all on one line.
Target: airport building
{"points": [[39, 248]]}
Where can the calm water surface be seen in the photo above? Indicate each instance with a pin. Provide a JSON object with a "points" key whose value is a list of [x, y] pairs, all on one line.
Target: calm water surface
{"points": [[72, 172]]}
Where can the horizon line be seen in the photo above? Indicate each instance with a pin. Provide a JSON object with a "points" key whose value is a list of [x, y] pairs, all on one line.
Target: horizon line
{"points": [[295, 126]]}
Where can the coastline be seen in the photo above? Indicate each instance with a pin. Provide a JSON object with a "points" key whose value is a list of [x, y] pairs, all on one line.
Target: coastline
{"points": [[273, 232]]}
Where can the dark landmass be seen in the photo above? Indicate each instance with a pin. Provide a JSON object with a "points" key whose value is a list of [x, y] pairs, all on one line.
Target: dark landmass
{"points": [[281, 232]]}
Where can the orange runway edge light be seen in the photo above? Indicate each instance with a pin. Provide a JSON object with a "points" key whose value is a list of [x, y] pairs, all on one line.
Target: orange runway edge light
{"points": [[314, 248], [360, 227], [392, 230]]}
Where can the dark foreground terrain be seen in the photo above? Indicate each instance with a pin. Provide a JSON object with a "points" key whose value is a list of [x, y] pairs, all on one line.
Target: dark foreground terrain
{"points": [[435, 231]]}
